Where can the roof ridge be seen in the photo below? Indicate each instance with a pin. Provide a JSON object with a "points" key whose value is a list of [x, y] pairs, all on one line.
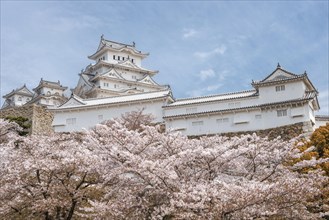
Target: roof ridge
{"points": [[142, 93], [111, 41], [214, 95], [279, 68]]}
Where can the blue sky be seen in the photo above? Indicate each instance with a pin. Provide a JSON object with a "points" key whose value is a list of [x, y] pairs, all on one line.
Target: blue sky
{"points": [[199, 47]]}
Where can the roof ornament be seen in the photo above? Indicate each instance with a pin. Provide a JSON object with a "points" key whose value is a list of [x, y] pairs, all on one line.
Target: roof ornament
{"points": [[134, 44], [305, 73], [278, 65], [102, 37]]}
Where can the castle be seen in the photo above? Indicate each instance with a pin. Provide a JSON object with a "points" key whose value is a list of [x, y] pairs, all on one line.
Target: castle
{"points": [[117, 83]]}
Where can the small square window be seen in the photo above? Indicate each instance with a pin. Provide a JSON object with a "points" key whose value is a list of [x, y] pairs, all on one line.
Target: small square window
{"points": [[197, 123], [71, 121], [281, 113], [258, 116], [280, 88]]}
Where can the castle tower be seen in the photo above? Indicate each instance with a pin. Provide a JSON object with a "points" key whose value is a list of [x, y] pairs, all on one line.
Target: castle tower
{"points": [[17, 97], [49, 93], [117, 70]]}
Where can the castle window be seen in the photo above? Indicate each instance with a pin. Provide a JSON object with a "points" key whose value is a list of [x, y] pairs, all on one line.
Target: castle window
{"points": [[134, 77], [123, 58], [281, 113], [132, 60], [20, 98], [197, 123], [106, 84], [118, 57], [71, 121], [113, 57], [234, 105], [222, 120], [258, 116], [280, 88]]}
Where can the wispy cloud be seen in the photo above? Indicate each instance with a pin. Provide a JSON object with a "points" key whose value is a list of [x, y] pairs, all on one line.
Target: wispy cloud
{"points": [[206, 54], [187, 33], [204, 91], [205, 74], [214, 87]]}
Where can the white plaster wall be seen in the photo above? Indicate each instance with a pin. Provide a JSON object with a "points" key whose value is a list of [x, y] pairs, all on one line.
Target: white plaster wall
{"points": [[292, 90], [52, 91], [244, 121], [24, 99], [87, 118], [210, 106], [109, 57]]}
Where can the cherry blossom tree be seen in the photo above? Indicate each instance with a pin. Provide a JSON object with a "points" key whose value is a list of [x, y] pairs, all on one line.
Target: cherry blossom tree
{"points": [[116, 171], [47, 177]]}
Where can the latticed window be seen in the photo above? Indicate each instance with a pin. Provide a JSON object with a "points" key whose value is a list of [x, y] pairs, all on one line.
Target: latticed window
{"points": [[71, 121], [222, 120], [280, 88], [197, 123], [281, 113]]}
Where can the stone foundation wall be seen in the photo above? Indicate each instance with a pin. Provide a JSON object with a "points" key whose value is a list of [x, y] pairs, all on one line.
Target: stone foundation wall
{"points": [[286, 132], [39, 117]]}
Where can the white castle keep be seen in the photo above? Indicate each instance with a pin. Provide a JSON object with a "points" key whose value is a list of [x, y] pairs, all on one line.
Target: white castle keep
{"points": [[117, 83]]}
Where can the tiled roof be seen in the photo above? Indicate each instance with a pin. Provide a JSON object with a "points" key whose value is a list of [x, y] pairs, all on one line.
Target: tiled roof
{"points": [[50, 84], [213, 98], [283, 70], [294, 101], [119, 99], [278, 80], [20, 91], [322, 118], [116, 46]]}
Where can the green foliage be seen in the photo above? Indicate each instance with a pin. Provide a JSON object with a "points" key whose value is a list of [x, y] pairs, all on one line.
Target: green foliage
{"points": [[22, 122]]}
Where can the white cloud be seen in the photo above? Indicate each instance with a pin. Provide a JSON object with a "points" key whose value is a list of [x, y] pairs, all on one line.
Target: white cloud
{"points": [[205, 74], [187, 33], [219, 50], [203, 91], [222, 76], [214, 87]]}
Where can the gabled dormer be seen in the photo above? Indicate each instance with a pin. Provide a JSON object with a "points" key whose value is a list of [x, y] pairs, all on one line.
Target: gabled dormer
{"points": [[74, 100], [283, 85], [148, 80], [17, 97]]}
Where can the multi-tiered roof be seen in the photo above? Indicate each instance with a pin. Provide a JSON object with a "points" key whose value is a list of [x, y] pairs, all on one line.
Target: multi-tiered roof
{"points": [[117, 71]]}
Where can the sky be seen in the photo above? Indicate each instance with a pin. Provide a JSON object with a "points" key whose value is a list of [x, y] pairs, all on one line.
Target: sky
{"points": [[198, 47]]}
